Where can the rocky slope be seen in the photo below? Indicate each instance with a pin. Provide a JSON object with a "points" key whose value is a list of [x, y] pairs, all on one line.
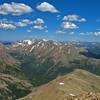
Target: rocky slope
{"points": [[4, 56], [12, 88], [13, 82]]}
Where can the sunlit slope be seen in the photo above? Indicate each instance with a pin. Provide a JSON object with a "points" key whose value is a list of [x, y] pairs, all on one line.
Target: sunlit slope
{"points": [[77, 82]]}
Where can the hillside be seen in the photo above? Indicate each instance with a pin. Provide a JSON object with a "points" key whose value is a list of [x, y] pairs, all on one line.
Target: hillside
{"points": [[13, 82], [77, 84], [4, 56], [12, 88]]}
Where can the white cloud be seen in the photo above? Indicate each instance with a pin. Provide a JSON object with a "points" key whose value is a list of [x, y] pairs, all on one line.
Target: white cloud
{"points": [[58, 17], [74, 18], [23, 23], [39, 27], [71, 33], [65, 32], [87, 33], [69, 21], [97, 33], [14, 9], [46, 31], [60, 32], [7, 26], [47, 7], [39, 21], [69, 25], [90, 33], [29, 31], [39, 24], [20, 24], [82, 33], [27, 21]]}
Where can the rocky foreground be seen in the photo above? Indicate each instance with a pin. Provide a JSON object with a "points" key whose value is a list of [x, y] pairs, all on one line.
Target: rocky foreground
{"points": [[88, 96]]}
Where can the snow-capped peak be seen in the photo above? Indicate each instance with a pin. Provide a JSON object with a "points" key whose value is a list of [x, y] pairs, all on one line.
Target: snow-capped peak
{"points": [[29, 42], [45, 40]]}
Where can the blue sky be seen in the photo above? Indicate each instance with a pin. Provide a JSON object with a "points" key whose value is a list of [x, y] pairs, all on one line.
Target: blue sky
{"points": [[52, 19]]}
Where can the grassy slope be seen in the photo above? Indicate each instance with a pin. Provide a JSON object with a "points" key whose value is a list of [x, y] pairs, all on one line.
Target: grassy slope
{"points": [[77, 82]]}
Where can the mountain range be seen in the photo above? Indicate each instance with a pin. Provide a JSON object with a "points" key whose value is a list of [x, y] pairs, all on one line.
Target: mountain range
{"points": [[41, 66]]}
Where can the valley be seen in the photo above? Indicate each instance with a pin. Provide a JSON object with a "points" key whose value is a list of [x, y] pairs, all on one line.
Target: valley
{"points": [[38, 66]]}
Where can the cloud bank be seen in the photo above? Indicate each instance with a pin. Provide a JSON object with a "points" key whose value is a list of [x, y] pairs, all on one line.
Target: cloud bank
{"points": [[14, 9]]}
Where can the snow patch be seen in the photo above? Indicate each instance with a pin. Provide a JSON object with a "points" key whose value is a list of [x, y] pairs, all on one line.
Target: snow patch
{"points": [[71, 94], [44, 40], [32, 48], [61, 83], [29, 42]]}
